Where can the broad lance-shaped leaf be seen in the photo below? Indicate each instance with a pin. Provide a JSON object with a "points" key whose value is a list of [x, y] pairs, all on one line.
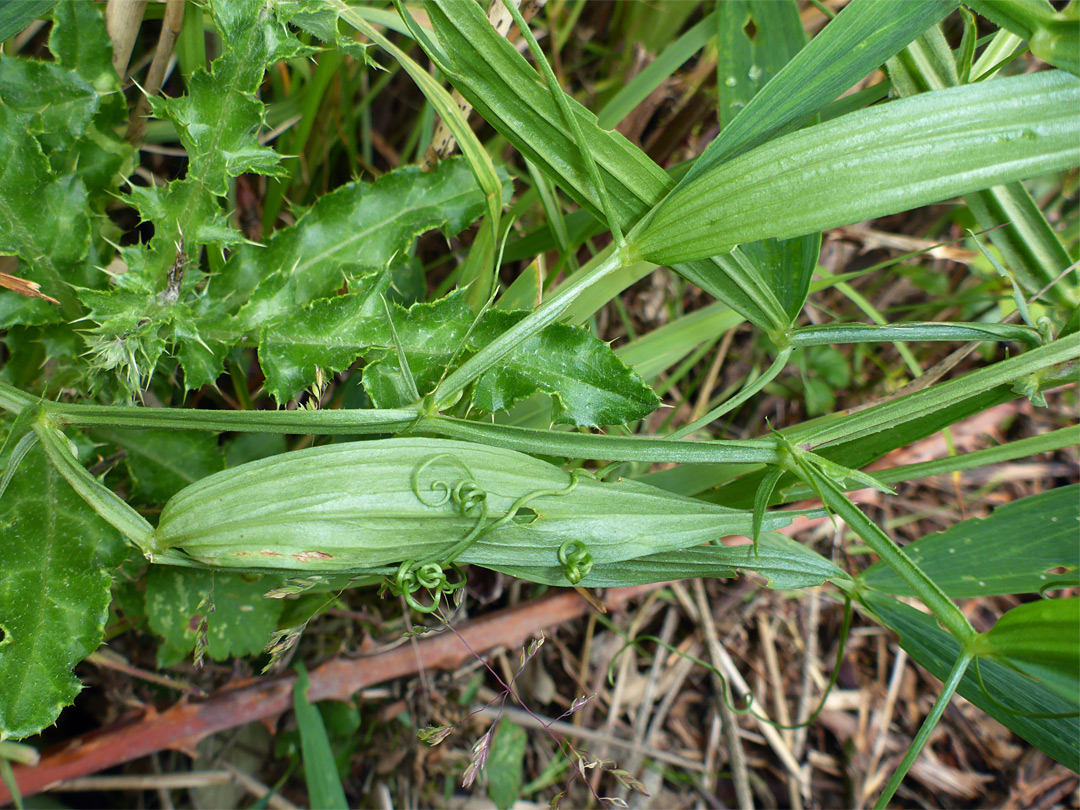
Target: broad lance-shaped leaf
{"points": [[1030, 247], [870, 163], [55, 556], [1039, 639], [861, 38], [1011, 551], [588, 384], [350, 230], [503, 88], [785, 563], [933, 648]]}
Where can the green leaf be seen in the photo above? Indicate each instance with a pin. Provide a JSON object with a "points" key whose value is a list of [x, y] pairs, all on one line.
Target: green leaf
{"points": [[869, 163], [14, 17], [43, 221], [1012, 551], [937, 651], [501, 85], [653, 75], [588, 382], [56, 104], [54, 594], [505, 764], [353, 228], [240, 624], [80, 43], [162, 462], [320, 770], [218, 120], [787, 266], [1029, 245], [1052, 35], [1039, 639], [327, 337], [785, 563], [861, 38], [745, 65]]}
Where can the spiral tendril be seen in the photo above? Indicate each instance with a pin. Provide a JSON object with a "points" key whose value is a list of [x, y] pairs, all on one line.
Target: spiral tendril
{"points": [[470, 500], [576, 560]]}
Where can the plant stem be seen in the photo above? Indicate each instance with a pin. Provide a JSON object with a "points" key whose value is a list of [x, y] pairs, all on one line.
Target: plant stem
{"points": [[831, 334], [946, 611], [947, 692], [737, 400], [103, 500], [603, 448]]}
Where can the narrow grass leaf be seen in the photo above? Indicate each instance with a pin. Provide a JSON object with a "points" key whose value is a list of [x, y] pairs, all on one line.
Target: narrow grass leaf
{"points": [[320, 768], [14, 17]]}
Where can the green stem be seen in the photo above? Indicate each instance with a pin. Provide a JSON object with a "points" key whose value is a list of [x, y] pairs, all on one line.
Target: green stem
{"points": [[1045, 443], [943, 395], [602, 448], [946, 611], [103, 500], [928, 725], [737, 400], [544, 315], [571, 121], [831, 334]]}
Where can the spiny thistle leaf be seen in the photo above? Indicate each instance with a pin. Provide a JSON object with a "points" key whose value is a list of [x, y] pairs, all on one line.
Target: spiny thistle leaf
{"points": [[55, 556]]}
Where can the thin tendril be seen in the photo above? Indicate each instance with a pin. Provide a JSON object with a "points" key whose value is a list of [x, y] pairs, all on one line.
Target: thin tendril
{"points": [[576, 560]]}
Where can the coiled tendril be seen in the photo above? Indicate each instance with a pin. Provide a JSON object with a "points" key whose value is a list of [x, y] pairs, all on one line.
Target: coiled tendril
{"points": [[470, 500], [576, 560]]}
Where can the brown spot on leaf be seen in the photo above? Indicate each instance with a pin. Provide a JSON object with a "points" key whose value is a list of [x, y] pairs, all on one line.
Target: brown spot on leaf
{"points": [[305, 556], [267, 553]]}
